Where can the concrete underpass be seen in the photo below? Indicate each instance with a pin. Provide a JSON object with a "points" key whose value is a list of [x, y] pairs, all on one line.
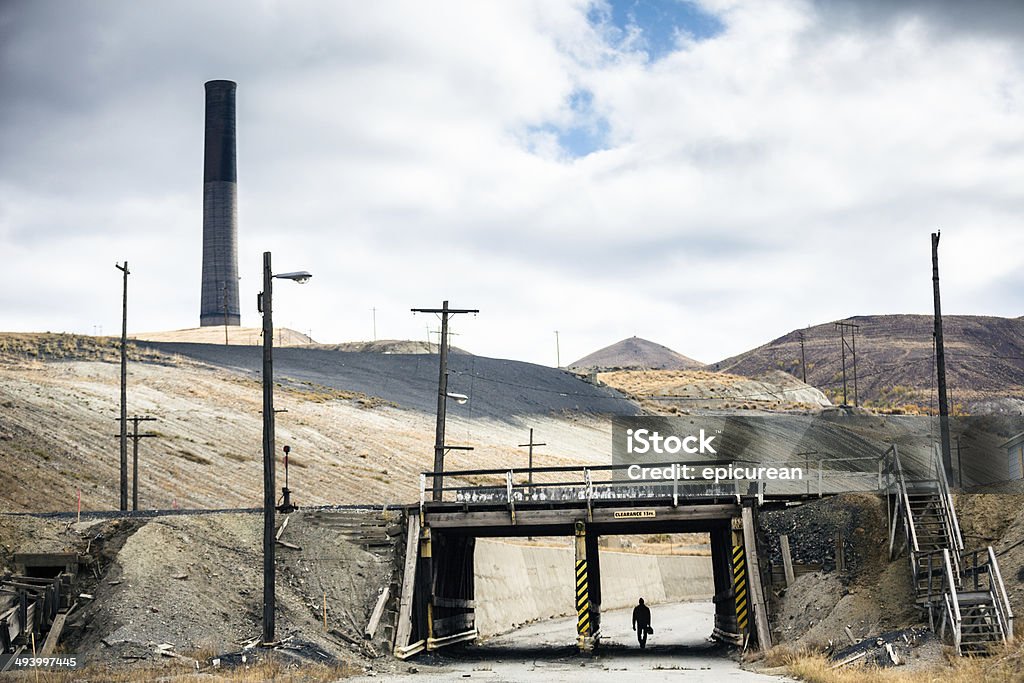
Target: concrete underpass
{"points": [[461, 586]]}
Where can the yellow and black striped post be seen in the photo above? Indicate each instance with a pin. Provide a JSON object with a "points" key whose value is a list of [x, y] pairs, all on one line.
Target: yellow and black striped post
{"points": [[585, 618], [739, 582], [582, 600]]}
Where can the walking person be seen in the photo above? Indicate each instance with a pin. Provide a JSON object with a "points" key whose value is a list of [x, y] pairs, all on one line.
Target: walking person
{"points": [[642, 623]]}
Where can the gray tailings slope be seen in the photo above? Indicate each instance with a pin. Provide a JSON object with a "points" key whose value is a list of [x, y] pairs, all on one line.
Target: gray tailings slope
{"points": [[498, 389]]}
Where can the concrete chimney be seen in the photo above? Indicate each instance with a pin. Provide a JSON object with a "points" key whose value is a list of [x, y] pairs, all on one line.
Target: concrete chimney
{"points": [[219, 302]]}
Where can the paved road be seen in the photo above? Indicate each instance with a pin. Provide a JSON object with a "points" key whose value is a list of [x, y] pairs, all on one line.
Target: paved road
{"points": [[545, 652]]}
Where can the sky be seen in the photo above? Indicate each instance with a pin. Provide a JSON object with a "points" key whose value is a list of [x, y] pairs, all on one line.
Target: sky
{"points": [[708, 175]]}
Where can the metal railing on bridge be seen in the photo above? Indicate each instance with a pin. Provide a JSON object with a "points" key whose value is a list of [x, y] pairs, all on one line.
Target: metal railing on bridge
{"points": [[807, 477]]}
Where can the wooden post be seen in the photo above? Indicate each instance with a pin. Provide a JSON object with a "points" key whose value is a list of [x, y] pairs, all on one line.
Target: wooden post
{"points": [[840, 554], [760, 605], [378, 612], [404, 628], [787, 560]]}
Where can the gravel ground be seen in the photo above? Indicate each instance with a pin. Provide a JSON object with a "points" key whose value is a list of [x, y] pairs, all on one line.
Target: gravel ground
{"points": [[812, 529]]}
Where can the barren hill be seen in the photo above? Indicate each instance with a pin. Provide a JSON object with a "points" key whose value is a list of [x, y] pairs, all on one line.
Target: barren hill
{"points": [[984, 361], [674, 391], [635, 353], [361, 425]]}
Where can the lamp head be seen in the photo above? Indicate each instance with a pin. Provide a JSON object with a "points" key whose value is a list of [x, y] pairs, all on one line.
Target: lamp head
{"points": [[461, 399], [300, 276]]}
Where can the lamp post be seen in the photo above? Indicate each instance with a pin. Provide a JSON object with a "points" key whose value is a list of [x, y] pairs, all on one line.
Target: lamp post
{"points": [[265, 305], [124, 387]]}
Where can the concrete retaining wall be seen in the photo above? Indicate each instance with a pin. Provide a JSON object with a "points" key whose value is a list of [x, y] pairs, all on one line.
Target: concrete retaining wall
{"points": [[516, 584]]}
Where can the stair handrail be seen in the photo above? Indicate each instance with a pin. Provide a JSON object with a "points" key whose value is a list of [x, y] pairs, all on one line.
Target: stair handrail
{"points": [[1001, 599], [954, 623], [952, 602], [908, 518], [913, 548], [953, 537]]}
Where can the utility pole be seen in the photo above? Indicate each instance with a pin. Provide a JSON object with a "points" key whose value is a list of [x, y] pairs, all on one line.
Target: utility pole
{"points": [[136, 419], [266, 307], [374, 311], [442, 391], [959, 463], [558, 354], [124, 387], [842, 327], [803, 358], [531, 444], [940, 364]]}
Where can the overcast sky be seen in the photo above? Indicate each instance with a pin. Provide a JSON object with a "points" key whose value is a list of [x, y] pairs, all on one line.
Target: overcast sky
{"points": [[707, 175]]}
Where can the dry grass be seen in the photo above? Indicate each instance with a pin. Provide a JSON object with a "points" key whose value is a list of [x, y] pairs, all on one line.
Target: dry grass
{"points": [[179, 672], [804, 664]]}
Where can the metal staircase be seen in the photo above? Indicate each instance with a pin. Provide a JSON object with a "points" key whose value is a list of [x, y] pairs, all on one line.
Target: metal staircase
{"points": [[968, 601]]}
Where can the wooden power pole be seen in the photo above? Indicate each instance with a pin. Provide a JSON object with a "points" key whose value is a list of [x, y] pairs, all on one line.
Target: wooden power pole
{"points": [[135, 436], [442, 392], [940, 365], [531, 444], [803, 358]]}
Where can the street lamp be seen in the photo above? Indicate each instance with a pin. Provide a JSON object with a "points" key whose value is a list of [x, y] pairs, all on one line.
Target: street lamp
{"points": [[265, 305]]}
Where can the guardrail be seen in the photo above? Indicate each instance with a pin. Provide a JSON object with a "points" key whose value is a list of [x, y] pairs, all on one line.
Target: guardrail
{"points": [[676, 480], [952, 600]]}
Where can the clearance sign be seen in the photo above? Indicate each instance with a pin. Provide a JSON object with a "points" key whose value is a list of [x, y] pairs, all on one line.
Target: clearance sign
{"points": [[633, 514]]}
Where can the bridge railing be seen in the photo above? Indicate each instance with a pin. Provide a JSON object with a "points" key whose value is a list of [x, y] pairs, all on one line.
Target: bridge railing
{"points": [[677, 480]]}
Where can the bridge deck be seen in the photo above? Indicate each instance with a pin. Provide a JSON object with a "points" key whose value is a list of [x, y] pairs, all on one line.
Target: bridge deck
{"points": [[613, 516]]}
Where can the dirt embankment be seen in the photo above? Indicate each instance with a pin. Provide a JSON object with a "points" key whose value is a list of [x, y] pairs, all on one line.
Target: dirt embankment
{"points": [[195, 582], [997, 520], [872, 596]]}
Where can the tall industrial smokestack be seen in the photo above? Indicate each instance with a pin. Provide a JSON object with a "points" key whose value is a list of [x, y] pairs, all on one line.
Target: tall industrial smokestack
{"points": [[219, 302]]}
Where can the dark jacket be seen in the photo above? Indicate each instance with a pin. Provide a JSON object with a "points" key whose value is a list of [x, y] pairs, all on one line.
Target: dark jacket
{"points": [[641, 616]]}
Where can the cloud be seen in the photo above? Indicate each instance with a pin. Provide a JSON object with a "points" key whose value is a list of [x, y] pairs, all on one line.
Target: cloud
{"points": [[569, 166]]}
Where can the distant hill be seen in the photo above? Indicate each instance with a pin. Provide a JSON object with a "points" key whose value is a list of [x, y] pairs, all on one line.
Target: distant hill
{"points": [[984, 361], [635, 353], [662, 392]]}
